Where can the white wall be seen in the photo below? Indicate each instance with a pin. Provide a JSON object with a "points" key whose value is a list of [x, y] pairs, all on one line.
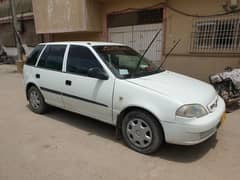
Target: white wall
{"points": [[12, 51]]}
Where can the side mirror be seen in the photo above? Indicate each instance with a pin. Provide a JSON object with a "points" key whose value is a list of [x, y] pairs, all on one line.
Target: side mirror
{"points": [[97, 73]]}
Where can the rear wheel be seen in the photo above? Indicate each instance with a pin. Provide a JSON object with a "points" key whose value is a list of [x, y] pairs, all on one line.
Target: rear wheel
{"points": [[142, 132], [36, 100]]}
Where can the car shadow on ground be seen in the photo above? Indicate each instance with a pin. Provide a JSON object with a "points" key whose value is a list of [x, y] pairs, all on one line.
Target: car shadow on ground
{"points": [[184, 154]]}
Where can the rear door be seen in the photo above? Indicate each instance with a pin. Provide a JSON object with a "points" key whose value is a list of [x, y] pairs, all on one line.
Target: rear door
{"points": [[49, 74], [86, 95]]}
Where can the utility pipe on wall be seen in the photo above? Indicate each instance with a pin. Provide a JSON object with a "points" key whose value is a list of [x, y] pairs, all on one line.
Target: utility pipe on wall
{"points": [[14, 20]]}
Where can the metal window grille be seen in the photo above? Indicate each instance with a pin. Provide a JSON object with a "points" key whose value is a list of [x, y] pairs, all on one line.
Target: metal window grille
{"points": [[216, 35]]}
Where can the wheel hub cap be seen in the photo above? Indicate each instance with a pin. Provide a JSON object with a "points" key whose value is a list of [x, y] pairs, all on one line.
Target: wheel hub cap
{"points": [[35, 99], [139, 133]]}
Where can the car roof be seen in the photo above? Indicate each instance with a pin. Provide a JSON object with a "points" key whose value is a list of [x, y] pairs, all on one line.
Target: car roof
{"points": [[85, 43]]}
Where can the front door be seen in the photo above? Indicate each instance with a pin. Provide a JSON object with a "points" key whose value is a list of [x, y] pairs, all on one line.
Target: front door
{"points": [[85, 95]]}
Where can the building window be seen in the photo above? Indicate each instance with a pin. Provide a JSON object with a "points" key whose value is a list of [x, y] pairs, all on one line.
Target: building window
{"points": [[135, 18], [216, 35]]}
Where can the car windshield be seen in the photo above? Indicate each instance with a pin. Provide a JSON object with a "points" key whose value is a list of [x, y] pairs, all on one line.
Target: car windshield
{"points": [[123, 60]]}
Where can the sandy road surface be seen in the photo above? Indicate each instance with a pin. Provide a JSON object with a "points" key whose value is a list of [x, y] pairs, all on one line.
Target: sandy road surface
{"points": [[61, 146]]}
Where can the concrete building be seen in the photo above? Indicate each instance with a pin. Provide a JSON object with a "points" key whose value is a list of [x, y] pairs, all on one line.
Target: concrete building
{"points": [[208, 44], [25, 27]]}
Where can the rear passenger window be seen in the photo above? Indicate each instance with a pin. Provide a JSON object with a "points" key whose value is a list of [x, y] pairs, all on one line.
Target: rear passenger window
{"points": [[52, 57], [33, 57], [80, 60]]}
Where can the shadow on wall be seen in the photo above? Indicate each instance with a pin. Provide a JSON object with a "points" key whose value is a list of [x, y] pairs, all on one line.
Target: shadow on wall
{"points": [[184, 154]]}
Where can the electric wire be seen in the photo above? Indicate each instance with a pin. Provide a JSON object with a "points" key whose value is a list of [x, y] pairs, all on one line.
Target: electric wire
{"points": [[175, 10]]}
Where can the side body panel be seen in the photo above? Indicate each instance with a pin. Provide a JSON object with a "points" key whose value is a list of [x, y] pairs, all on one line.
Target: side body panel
{"points": [[51, 85], [28, 76], [127, 94], [89, 96]]}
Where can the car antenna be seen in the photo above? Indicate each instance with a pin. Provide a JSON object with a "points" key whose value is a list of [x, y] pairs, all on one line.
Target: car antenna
{"points": [[141, 58], [170, 51]]}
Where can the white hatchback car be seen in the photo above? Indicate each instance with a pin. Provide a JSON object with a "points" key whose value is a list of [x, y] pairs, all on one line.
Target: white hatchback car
{"points": [[148, 106]]}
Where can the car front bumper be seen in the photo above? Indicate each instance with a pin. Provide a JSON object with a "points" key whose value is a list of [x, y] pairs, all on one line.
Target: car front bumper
{"points": [[190, 132]]}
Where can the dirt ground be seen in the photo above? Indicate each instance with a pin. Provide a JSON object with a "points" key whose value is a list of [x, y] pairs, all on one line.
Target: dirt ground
{"points": [[61, 145]]}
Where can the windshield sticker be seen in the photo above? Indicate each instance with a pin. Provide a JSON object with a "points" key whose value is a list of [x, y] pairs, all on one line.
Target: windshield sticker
{"points": [[123, 72]]}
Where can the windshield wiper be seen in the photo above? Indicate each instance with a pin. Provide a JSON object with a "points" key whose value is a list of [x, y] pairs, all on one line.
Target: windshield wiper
{"points": [[141, 58]]}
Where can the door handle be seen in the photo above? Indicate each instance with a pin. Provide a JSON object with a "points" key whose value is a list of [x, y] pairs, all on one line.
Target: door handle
{"points": [[68, 82], [37, 76]]}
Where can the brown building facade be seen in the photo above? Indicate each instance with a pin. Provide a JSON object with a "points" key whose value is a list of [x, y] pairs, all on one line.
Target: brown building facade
{"points": [[207, 44], [25, 27]]}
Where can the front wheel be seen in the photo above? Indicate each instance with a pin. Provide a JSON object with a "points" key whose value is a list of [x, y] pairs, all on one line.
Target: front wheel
{"points": [[142, 132]]}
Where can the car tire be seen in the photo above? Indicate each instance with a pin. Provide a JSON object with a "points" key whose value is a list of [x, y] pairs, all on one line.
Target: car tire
{"points": [[36, 101], [142, 132]]}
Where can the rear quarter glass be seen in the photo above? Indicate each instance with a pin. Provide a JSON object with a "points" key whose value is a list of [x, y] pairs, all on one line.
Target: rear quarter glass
{"points": [[32, 58]]}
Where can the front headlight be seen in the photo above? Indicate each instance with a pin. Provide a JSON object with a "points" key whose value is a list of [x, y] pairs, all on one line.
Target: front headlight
{"points": [[192, 111]]}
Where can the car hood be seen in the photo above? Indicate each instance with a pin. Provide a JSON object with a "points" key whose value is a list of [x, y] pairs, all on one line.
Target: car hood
{"points": [[180, 88]]}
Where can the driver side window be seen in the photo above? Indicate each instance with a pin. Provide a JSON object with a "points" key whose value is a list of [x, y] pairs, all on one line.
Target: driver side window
{"points": [[80, 60]]}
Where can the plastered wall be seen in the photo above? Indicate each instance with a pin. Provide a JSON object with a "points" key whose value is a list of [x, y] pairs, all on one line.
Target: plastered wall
{"points": [[176, 27], [58, 16]]}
